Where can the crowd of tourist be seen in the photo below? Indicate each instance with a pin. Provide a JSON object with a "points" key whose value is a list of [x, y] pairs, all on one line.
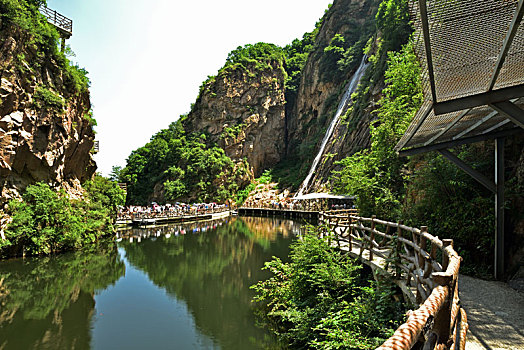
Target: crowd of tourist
{"points": [[177, 209]]}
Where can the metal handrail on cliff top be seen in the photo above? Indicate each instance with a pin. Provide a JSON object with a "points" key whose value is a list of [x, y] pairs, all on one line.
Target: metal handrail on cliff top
{"points": [[409, 255], [60, 21]]}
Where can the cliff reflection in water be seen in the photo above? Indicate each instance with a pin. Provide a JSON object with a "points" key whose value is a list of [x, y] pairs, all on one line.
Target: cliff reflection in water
{"points": [[48, 303], [211, 266]]}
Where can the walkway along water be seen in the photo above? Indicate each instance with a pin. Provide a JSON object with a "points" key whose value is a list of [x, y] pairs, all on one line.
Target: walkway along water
{"points": [[154, 218], [352, 86], [409, 255]]}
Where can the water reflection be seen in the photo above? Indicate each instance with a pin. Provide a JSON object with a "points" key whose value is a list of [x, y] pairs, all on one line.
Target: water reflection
{"points": [[179, 286], [212, 271], [48, 303]]}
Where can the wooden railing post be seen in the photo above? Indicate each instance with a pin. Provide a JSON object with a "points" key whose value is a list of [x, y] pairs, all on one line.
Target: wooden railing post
{"points": [[350, 240], [445, 258], [442, 322], [372, 237], [398, 247], [422, 245]]}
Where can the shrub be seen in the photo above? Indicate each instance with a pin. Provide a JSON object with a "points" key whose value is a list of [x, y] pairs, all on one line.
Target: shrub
{"points": [[44, 38], [189, 169], [321, 300], [46, 221], [46, 99], [374, 175], [43, 223], [262, 54]]}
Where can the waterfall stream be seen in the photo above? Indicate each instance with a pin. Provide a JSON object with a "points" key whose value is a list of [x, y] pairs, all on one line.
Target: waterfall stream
{"points": [[352, 86]]}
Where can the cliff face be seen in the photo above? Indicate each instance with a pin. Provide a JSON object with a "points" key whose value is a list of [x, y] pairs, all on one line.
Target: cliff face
{"points": [[323, 85], [242, 110], [44, 133]]}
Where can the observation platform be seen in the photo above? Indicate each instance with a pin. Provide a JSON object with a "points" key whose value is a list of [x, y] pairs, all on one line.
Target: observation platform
{"points": [[284, 213], [61, 22], [154, 219]]}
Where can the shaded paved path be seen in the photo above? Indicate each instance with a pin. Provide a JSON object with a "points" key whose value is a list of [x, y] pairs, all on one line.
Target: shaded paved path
{"points": [[495, 314]]}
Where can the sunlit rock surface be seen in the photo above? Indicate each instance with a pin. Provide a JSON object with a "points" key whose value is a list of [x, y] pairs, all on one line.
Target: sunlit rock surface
{"points": [[39, 143]]}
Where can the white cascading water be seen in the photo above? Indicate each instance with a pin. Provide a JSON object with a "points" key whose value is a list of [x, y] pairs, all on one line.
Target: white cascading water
{"points": [[352, 86]]}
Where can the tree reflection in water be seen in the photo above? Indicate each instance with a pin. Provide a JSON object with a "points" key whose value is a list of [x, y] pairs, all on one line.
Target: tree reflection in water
{"points": [[211, 269], [48, 303]]}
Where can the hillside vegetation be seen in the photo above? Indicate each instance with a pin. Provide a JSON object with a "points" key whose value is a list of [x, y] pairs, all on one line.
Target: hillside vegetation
{"points": [[359, 161], [51, 202]]}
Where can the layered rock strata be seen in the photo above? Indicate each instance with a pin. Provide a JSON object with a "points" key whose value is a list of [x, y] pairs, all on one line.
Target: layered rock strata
{"points": [[44, 133], [242, 110]]}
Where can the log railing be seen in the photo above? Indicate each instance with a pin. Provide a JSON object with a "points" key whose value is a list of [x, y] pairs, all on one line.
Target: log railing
{"points": [[425, 267]]}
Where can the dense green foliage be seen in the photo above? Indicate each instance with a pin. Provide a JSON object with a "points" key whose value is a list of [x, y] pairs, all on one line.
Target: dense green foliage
{"points": [[424, 190], [44, 40], [374, 175], [47, 99], [262, 55], [184, 164], [453, 205], [392, 31], [47, 221], [322, 300]]}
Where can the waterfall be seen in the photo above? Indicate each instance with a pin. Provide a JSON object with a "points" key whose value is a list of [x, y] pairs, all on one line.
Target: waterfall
{"points": [[352, 86]]}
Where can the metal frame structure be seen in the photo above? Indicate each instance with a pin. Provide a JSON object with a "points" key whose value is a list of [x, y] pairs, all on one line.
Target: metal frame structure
{"points": [[472, 57], [61, 22]]}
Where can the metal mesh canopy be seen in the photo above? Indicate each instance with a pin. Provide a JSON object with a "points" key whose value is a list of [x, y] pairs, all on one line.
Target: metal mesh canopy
{"points": [[472, 57]]}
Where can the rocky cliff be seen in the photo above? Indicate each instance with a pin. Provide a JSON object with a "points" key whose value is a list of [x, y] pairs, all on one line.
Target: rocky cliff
{"points": [[346, 28], [242, 110], [45, 129]]}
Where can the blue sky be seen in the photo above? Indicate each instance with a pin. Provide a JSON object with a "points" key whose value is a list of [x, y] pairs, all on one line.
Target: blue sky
{"points": [[147, 58]]}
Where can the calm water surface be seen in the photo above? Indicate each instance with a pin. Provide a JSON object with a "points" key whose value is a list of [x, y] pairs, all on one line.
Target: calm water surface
{"points": [[174, 287]]}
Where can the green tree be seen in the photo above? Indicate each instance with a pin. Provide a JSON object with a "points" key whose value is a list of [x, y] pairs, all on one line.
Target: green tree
{"points": [[46, 221], [321, 300], [116, 173], [374, 176], [43, 39]]}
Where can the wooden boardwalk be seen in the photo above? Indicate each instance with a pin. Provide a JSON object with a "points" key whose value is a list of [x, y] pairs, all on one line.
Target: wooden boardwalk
{"points": [[409, 256], [154, 219], [284, 213]]}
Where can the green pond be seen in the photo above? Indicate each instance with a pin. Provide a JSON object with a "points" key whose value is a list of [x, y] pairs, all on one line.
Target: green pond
{"points": [[171, 287]]}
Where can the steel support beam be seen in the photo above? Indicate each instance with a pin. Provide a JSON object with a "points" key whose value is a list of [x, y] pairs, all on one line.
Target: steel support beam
{"points": [[507, 43], [499, 208], [482, 99], [476, 125], [427, 44], [483, 180], [510, 110], [449, 126], [464, 141], [419, 124], [495, 127]]}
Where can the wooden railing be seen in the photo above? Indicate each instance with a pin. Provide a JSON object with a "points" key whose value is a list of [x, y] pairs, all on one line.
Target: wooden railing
{"points": [[425, 267], [173, 214], [61, 22]]}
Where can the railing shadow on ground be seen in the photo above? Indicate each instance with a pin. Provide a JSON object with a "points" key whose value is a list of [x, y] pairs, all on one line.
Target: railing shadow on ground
{"points": [[410, 256]]}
